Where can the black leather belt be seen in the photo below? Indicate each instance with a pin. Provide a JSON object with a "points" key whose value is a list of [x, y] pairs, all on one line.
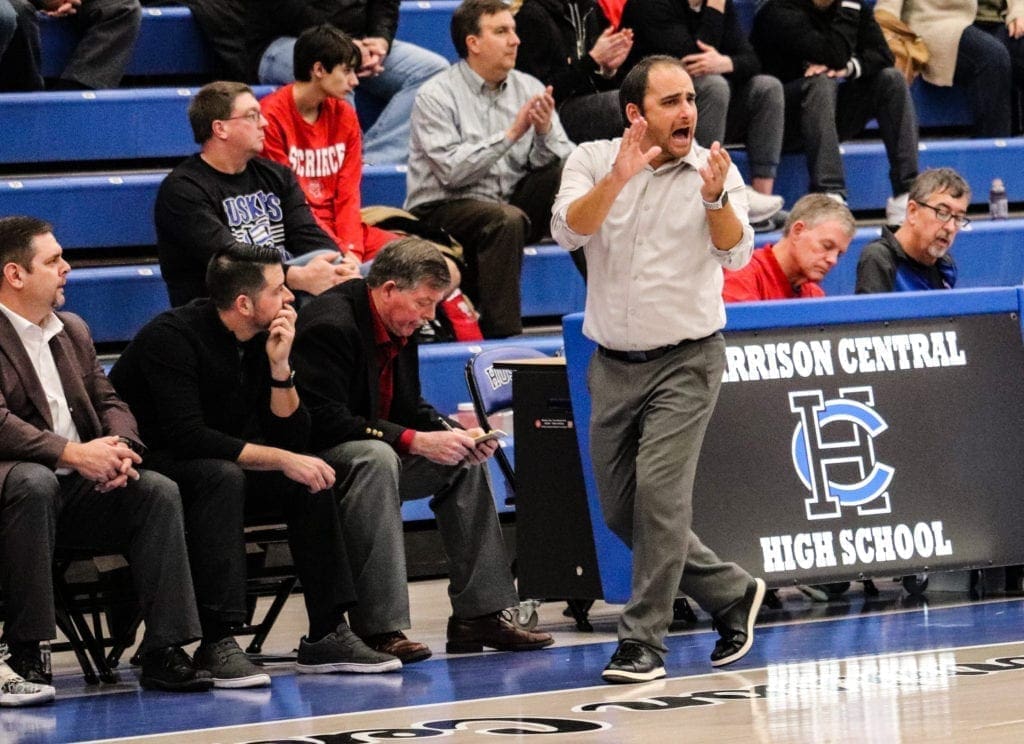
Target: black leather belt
{"points": [[638, 357]]}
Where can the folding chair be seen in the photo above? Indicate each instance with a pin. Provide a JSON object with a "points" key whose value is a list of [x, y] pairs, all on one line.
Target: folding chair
{"points": [[491, 392]]}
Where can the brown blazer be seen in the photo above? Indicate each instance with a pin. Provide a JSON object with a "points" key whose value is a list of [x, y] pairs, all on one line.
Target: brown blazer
{"points": [[26, 429]]}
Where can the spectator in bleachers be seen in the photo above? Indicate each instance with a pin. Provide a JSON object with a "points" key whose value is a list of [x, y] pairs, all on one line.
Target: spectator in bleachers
{"points": [[961, 55], [219, 20], [1005, 22], [70, 477], [226, 194], [486, 151], [212, 388], [358, 373], [916, 256], [106, 31], [569, 45], [837, 74], [817, 233], [736, 102], [315, 131], [391, 70]]}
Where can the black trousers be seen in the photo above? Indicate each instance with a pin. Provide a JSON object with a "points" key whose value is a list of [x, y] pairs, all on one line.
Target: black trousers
{"points": [[143, 521], [217, 496]]}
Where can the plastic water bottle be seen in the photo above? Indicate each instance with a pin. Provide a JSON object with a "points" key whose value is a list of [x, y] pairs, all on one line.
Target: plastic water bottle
{"points": [[45, 656], [998, 207]]}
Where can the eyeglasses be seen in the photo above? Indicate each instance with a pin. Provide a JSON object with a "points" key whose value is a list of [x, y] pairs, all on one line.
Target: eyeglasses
{"points": [[253, 116], [945, 215]]}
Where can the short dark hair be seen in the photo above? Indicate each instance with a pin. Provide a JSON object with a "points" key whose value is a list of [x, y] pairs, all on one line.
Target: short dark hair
{"points": [[213, 102], [466, 20], [409, 261], [16, 236], [326, 44], [935, 180], [634, 87], [238, 270]]}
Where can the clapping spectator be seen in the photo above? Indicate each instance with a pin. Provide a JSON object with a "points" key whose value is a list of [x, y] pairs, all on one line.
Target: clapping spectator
{"points": [[571, 46]]}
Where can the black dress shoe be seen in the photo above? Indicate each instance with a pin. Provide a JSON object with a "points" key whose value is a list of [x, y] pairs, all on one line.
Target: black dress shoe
{"points": [[26, 661], [735, 626], [633, 662], [170, 669], [493, 631]]}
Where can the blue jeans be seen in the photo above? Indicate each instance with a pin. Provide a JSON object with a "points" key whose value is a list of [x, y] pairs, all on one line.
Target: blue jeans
{"points": [[406, 68], [983, 71]]}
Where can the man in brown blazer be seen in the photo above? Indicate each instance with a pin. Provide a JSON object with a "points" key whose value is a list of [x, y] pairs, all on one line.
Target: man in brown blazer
{"points": [[69, 476]]}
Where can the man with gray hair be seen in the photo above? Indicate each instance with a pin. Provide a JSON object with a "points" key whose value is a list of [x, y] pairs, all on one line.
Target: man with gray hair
{"points": [[358, 372], [916, 255], [817, 232]]}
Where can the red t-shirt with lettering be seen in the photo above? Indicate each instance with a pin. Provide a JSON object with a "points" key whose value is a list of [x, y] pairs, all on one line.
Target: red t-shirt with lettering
{"points": [[326, 157]]}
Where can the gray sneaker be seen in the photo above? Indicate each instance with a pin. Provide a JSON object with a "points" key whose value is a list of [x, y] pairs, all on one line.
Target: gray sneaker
{"points": [[343, 651], [229, 665]]}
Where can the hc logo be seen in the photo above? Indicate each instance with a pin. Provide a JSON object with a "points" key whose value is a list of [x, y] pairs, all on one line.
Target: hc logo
{"points": [[834, 455]]}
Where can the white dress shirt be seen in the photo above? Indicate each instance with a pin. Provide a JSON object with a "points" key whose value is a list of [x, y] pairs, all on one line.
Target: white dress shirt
{"points": [[654, 278], [36, 340]]}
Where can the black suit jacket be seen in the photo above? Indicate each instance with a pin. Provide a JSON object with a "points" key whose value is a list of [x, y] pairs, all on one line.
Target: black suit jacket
{"points": [[26, 428], [336, 370]]}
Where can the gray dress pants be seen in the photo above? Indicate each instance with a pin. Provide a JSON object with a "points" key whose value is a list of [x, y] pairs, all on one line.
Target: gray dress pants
{"points": [[647, 425], [372, 481]]}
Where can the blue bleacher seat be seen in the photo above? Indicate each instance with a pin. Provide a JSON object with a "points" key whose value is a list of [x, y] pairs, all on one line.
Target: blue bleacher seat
{"points": [[128, 123], [867, 169], [116, 301], [171, 43]]}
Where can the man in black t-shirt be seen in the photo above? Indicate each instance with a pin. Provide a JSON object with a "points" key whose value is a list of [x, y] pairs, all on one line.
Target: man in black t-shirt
{"points": [[226, 194]]}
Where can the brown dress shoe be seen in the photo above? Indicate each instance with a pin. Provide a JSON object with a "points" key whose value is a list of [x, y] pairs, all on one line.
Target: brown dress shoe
{"points": [[396, 644], [493, 631]]}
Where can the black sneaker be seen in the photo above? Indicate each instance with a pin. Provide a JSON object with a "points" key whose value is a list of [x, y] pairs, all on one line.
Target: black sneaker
{"points": [[170, 669], [735, 625], [25, 660], [633, 662]]}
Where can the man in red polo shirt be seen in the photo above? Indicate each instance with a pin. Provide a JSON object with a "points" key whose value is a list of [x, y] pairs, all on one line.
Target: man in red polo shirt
{"points": [[817, 232]]}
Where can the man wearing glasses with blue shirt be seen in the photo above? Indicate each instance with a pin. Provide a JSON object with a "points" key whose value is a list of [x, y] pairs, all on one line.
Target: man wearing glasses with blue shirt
{"points": [[915, 256]]}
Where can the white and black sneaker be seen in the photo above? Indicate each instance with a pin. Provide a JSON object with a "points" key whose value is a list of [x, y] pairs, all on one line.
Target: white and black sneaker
{"points": [[633, 661], [228, 665], [761, 207], [15, 692], [735, 625], [343, 651]]}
